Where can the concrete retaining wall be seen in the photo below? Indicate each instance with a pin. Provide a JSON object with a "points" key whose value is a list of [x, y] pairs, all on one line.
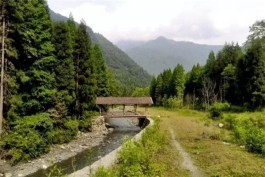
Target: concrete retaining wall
{"points": [[108, 160]]}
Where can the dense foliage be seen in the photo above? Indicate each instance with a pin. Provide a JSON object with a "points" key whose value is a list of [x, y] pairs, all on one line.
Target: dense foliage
{"points": [[231, 81], [53, 75], [168, 88], [232, 75]]}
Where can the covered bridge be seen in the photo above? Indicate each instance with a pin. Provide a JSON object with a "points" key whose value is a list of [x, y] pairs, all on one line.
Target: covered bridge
{"points": [[124, 101]]}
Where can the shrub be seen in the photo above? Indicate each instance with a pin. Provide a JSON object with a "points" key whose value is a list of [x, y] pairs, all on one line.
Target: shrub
{"points": [[255, 140], [66, 133], [230, 121], [85, 125], [28, 139], [216, 110], [23, 144]]}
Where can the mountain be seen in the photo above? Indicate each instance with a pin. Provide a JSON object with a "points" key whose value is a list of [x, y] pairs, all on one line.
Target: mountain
{"points": [[127, 71], [162, 53]]}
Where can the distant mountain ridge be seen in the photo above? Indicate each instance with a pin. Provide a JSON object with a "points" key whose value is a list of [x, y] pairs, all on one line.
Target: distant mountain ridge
{"points": [[126, 70], [162, 53]]}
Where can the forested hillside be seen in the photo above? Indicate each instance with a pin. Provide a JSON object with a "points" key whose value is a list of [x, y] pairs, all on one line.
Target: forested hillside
{"points": [[53, 74], [162, 53], [126, 71]]}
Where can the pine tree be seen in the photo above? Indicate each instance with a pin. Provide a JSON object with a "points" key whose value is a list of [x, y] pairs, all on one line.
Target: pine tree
{"points": [[178, 82], [254, 72], [30, 36], [85, 72], [101, 75], [153, 89], [64, 72], [159, 90]]}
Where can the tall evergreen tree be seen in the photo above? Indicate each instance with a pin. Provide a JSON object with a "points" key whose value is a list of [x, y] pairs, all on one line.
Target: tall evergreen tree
{"points": [[166, 77], [64, 72], [152, 90], [30, 34], [159, 90], [178, 81], [101, 75], [254, 71], [85, 72]]}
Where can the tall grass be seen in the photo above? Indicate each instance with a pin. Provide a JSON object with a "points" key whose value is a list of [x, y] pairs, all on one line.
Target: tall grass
{"points": [[142, 158]]}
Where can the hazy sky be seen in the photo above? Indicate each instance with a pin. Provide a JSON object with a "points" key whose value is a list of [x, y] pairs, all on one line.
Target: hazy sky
{"points": [[201, 21]]}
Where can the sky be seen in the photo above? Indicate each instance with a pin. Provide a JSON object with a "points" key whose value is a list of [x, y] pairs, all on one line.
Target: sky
{"points": [[200, 21]]}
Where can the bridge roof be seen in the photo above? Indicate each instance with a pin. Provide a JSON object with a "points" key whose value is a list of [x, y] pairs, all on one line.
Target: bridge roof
{"points": [[124, 101]]}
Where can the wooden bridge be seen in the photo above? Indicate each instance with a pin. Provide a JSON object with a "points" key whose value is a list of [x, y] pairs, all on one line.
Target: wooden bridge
{"points": [[124, 101]]}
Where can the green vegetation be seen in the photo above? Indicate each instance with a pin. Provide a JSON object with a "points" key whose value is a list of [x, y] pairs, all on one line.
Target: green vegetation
{"points": [[150, 156], [211, 147], [126, 71], [53, 75], [232, 81], [168, 88]]}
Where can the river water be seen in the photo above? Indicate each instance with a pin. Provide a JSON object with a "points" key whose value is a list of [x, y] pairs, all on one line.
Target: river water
{"points": [[89, 156]]}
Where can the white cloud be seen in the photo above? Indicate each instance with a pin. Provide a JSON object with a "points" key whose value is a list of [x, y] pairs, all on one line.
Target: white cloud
{"points": [[204, 21]]}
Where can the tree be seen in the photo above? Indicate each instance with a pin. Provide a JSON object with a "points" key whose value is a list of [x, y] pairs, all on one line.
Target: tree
{"points": [[178, 82], [32, 55], [159, 90], [141, 92], [257, 31], [229, 83], [2, 67], [210, 65], [152, 90], [254, 71], [65, 71], [208, 94], [166, 86], [100, 70], [85, 72], [193, 85]]}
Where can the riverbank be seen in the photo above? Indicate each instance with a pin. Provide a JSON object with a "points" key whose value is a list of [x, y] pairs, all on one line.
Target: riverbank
{"points": [[63, 152], [59, 153], [110, 158]]}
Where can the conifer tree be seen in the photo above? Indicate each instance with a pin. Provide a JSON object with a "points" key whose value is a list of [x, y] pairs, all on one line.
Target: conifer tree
{"points": [[64, 72], [85, 72], [30, 36], [178, 81], [101, 75]]}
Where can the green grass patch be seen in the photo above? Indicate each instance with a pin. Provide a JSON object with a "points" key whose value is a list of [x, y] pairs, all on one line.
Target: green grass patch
{"points": [[148, 157]]}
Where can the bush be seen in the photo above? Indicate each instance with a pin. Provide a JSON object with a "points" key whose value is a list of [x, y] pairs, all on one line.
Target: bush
{"points": [[230, 121], [216, 110], [65, 134], [85, 125], [23, 144], [28, 139], [255, 140]]}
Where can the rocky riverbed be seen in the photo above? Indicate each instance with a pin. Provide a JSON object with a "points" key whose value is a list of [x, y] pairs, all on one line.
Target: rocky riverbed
{"points": [[61, 152]]}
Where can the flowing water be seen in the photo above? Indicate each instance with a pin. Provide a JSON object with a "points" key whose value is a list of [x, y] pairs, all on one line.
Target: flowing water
{"points": [[89, 156]]}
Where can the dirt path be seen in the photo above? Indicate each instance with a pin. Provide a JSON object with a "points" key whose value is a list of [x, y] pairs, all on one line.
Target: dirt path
{"points": [[187, 162]]}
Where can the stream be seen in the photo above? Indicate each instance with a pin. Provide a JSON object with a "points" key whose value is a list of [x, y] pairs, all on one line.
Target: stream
{"points": [[89, 156]]}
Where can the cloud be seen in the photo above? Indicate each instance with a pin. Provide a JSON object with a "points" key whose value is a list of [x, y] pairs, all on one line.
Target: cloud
{"points": [[204, 21]]}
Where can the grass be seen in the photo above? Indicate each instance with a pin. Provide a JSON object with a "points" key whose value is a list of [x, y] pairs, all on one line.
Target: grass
{"points": [[205, 142], [152, 156]]}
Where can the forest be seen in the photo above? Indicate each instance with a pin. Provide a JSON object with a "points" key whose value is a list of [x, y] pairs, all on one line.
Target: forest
{"points": [[52, 75], [230, 86], [235, 75]]}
